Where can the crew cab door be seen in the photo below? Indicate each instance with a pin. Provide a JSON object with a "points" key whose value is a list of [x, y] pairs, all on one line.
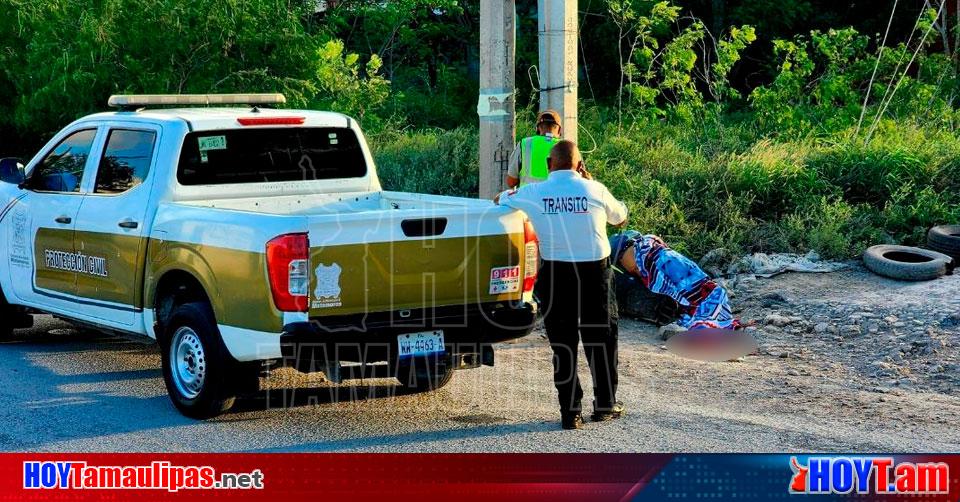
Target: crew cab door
{"points": [[44, 272], [111, 223]]}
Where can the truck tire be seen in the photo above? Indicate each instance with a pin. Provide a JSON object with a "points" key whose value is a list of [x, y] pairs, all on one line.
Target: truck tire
{"points": [[906, 263], [945, 239], [11, 318], [197, 369], [246, 377], [6, 317], [423, 377]]}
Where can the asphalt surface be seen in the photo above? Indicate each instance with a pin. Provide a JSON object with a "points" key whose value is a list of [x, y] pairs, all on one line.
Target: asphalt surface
{"points": [[72, 390]]}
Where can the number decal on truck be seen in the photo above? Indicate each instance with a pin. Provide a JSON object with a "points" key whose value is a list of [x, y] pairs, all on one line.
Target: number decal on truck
{"points": [[504, 280], [208, 143], [212, 143]]}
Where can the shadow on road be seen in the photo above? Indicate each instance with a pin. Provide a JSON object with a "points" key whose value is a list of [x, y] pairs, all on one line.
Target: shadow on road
{"points": [[65, 387], [272, 399], [395, 442], [64, 384]]}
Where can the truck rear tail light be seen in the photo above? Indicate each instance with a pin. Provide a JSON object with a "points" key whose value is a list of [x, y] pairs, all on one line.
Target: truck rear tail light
{"points": [[531, 256], [288, 265]]}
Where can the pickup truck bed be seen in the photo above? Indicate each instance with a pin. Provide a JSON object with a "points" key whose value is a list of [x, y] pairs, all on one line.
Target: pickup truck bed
{"points": [[398, 251]]}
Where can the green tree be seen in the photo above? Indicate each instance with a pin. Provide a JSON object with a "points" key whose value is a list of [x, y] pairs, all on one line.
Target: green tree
{"points": [[65, 57], [340, 85], [429, 51]]}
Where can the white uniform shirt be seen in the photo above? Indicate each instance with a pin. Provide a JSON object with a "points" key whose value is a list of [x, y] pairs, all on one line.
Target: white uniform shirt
{"points": [[569, 214]]}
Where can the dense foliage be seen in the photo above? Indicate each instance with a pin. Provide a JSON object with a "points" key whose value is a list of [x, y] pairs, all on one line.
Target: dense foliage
{"points": [[828, 126]]}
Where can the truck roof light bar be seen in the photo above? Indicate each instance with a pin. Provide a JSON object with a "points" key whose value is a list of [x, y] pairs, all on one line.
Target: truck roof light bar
{"points": [[137, 101]]}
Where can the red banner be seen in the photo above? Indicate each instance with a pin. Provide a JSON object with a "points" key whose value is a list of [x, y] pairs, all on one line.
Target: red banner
{"points": [[292, 477], [640, 477]]}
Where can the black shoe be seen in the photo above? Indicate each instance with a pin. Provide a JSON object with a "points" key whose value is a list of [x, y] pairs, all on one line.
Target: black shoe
{"points": [[571, 421], [615, 412]]}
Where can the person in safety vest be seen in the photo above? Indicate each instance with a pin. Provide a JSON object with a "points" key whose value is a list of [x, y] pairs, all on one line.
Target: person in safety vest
{"points": [[528, 163]]}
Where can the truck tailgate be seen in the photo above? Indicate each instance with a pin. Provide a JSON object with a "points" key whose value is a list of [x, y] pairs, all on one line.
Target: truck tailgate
{"points": [[389, 260]]}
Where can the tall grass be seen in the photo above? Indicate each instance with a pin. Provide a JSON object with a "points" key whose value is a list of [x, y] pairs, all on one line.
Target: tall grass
{"points": [[729, 186], [443, 162]]}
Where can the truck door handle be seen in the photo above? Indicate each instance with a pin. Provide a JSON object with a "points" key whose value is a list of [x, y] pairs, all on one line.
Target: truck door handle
{"points": [[128, 224], [64, 220]]}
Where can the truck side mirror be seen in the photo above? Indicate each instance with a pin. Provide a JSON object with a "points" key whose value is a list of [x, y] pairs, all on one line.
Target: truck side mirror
{"points": [[11, 171]]}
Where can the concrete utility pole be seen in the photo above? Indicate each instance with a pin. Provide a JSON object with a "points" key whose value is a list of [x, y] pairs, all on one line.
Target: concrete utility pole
{"points": [[558, 61], [496, 107]]}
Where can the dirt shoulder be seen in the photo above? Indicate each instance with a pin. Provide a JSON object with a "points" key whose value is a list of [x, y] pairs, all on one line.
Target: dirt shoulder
{"points": [[848, 361]]}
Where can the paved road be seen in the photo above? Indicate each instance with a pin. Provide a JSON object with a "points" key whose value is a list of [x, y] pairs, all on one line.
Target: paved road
{"points": [[69, 390]]}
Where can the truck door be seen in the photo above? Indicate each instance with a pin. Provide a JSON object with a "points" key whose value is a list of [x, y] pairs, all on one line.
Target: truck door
{"points": [[111, 224], [45, 271]]}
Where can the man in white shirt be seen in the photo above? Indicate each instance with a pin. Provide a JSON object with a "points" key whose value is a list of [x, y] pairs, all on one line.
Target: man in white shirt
{"points": [[570, 213]]}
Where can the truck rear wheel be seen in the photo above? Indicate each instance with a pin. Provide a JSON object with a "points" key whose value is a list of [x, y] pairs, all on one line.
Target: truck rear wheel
{"points": [[196, 367], [423, 377]]}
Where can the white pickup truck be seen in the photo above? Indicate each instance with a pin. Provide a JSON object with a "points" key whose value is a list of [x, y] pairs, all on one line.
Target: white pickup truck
{"points": [[243, 234]]}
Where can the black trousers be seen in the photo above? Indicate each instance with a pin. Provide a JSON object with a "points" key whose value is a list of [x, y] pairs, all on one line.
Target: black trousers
{"points": [[579, 301]]}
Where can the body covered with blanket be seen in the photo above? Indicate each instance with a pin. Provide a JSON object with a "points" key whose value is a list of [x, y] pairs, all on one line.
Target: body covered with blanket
{"points": [[702, 302]]}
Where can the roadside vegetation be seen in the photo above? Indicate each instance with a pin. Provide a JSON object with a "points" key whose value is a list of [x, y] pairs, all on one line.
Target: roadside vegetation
{"points": [[720, 128]]}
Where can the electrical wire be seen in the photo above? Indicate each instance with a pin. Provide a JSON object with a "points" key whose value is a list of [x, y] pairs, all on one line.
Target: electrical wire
{"points": [[883, 109], [896, 69], [583, 52], [596, 145], [883, 44]]}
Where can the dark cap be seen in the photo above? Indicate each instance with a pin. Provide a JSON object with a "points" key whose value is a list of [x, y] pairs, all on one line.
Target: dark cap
{"points": [[548, 117], [619, 243]]}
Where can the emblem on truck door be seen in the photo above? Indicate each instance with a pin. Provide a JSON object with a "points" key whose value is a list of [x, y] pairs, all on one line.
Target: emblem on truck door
{"points": [[327, 293], [19, 250]]}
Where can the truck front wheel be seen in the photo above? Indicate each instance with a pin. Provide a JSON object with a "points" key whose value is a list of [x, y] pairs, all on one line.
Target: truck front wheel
{"points": [[195, 364], [11, 319], [6, 329]]}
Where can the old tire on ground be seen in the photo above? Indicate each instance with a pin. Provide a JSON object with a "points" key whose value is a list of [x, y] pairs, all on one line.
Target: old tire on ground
{"points": [[196, 367], [423, 376], [945, 239], [906, 263]]}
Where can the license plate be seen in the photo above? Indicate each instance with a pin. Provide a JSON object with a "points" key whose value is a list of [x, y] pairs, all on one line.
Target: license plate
{"points": [[420, 344]]}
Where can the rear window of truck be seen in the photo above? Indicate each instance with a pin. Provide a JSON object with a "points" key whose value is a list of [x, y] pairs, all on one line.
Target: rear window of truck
{"points": [[270, 155]]}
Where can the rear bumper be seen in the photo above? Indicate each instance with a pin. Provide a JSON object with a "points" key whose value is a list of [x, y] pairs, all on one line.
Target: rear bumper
{"points": [[469, 331]]}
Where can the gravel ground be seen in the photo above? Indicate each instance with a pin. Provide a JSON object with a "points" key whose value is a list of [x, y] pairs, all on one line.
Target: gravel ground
{"points": [[848, 362]]}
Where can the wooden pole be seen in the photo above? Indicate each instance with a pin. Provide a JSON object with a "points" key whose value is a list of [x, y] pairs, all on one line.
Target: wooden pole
{"points": [[496, 107], [558, 61]]}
